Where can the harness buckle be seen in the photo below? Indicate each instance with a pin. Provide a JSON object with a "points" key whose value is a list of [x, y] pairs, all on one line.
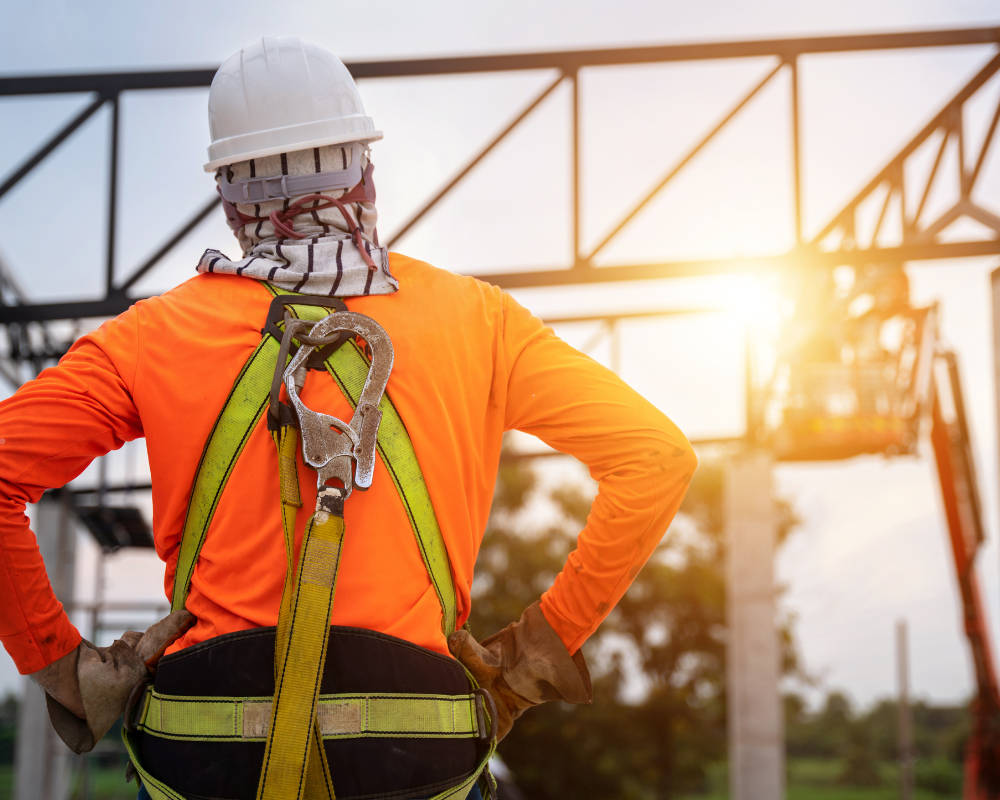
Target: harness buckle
{"points": [[329, 444], [482, 698], [135, 706]]}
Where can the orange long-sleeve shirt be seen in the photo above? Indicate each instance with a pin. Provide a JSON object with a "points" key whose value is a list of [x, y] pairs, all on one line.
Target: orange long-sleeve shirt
{"points": [[470, 363]]}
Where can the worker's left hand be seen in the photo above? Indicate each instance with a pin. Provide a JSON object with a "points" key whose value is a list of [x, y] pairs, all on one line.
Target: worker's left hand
{"points": [[58, 680], [102, 680], [522, 666]]}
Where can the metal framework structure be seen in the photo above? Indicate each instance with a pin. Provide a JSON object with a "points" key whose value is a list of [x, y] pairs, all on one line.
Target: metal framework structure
{"points": [[921, 240], [32, 340]]}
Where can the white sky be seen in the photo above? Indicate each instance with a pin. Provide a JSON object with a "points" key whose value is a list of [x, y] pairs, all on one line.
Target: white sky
{"points": [[872, 547]]}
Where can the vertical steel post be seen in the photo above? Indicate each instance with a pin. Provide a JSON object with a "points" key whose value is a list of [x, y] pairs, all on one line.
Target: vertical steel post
{"points": [[995, 286], [100, 566], [575, 78], [109, 283], [41, 761], [904, 714], [793, 62], [750, 401], [616, 346], [755, 720]]}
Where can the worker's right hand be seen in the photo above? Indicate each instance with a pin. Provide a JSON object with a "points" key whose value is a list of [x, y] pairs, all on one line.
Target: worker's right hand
{"points": [[485, 668], [523, 665], [105, 677]]}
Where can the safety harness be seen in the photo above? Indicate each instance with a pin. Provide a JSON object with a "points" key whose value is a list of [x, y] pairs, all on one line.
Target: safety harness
{"points": [[301, 334]]}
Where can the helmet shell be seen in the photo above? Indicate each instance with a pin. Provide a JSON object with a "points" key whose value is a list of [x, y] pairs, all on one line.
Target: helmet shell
{"points": [[282, 94]]}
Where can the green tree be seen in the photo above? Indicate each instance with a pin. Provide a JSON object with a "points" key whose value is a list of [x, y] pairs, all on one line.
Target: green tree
{"points": [[860, 742], [667, 637], [859, 756]]}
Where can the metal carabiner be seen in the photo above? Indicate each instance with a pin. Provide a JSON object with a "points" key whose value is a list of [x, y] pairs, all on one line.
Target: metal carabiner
{"points": [[329, 444]]}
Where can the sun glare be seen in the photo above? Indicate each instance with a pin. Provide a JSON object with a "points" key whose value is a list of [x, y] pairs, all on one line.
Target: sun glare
{"points": [[758, 303]]}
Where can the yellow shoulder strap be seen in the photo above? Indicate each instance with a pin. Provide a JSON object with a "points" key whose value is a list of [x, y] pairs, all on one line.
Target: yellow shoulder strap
{"points": [[246, 403]]}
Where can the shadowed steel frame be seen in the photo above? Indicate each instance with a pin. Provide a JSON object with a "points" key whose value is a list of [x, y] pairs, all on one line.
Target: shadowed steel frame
{"points": [[919, 241]]}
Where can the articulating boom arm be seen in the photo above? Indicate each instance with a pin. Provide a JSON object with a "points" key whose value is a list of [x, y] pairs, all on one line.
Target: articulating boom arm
{"points": [[956, 472]]}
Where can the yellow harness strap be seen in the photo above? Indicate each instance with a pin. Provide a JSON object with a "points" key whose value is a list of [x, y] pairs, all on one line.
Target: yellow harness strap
{"points": [[295, 764], [341, 716]]}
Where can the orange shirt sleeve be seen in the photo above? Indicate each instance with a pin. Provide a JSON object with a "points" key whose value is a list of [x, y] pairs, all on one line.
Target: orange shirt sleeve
{"points": [[50, 430], [640, 459]]}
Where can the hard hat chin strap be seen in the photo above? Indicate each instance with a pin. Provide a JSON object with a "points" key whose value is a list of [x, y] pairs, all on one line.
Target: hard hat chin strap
{"points": [[284, 187]]}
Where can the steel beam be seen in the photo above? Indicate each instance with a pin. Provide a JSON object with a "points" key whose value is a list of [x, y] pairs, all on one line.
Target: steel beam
{"points": [[39, 155], [413, 220], [568, 60], [171, 243], [796, 152], [119, 302], [109, 86], [107, 83], [575, 169], [82, 309], [576, 59], [685, 160], [583, 274], [109, 272], [612, 318], [943, 117]]}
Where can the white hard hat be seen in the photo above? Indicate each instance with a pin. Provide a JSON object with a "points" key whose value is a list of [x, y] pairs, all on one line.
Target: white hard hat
{"points": [[280, 95]]}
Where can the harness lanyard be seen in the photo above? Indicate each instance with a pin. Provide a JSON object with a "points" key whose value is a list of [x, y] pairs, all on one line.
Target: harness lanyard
{"points": [[294, 758], [294, 739]]}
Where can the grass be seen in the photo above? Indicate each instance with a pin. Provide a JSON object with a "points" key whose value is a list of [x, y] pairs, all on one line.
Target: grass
{"points": [[106, 783], [816, 779], [808, 779]]}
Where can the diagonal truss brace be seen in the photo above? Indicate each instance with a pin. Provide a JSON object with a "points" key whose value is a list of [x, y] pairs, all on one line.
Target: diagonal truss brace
{"points": [[917, 231]]}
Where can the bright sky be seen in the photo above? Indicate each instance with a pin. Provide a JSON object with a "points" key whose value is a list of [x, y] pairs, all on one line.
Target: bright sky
{"points": [[872, 546]]}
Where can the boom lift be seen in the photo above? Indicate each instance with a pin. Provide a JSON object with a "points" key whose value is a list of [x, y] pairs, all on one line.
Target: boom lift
{"points": [[864, 372]]}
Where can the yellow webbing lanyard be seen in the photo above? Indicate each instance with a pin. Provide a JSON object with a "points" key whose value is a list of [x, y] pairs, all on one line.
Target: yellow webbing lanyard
{"points": [[294, 759], [348, 366]]}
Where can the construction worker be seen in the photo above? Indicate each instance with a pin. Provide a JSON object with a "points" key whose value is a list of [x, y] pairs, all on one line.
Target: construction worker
{"points": [[259, 684]]}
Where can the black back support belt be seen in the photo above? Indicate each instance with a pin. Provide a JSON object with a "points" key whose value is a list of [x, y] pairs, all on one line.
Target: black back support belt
{"points": [[358, 661]]}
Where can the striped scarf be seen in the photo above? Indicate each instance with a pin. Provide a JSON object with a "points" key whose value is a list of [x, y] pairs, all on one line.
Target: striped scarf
{"points": [[327, 262]]}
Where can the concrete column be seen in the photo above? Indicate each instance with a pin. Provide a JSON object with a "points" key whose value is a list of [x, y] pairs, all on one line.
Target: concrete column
{"points": [[42, 763], [755, 718]]}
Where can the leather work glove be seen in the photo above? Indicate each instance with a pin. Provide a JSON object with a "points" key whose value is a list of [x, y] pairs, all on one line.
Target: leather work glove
{"points": [[523, 665], [97, 681]]}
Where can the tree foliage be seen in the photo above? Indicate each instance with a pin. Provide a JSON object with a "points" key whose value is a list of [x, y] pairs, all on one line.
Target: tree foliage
{"points": [[658, 718], [861, 741]]}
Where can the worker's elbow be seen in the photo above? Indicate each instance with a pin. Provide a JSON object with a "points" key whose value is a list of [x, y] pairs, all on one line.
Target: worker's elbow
{"points": [[690, 457], [681, 456], [687, 457]]}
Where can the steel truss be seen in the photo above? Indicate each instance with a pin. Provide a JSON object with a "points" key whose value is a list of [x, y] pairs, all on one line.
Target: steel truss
{"points": [[921, 238]]}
